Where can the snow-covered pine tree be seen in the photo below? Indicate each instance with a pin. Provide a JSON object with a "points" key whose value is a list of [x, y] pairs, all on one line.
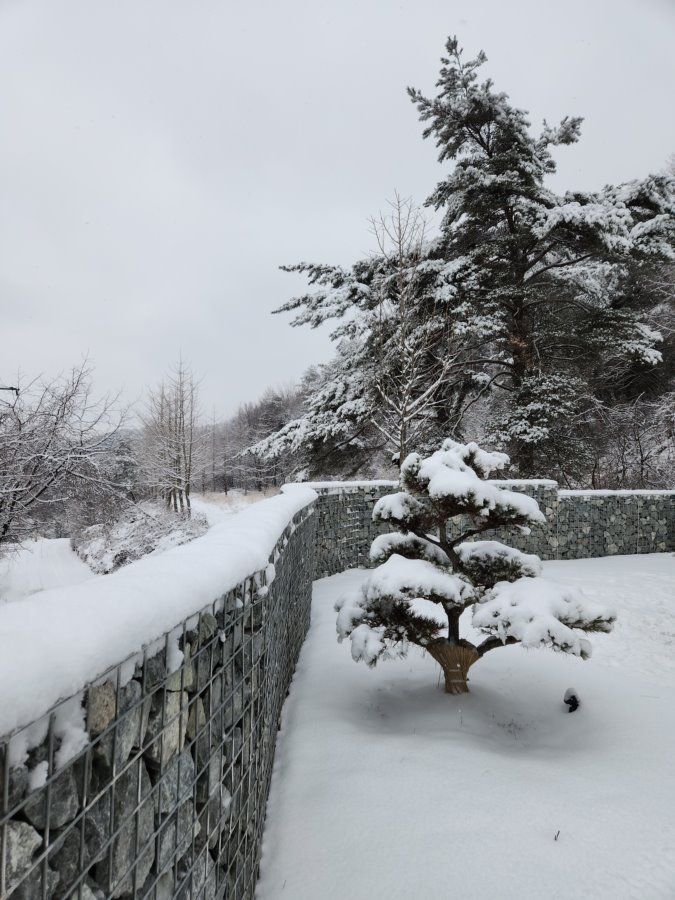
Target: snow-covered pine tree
{"points": [[548, 300], [563, 280], [429, 573]]}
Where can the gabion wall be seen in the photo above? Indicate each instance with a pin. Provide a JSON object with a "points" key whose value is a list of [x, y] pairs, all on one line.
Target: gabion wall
{"points": [[345, 528], [597, 524], [167, 799], [579, 524]]}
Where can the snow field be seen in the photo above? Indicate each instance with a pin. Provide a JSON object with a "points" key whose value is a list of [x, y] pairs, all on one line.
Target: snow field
{"points": [[384, 786]]}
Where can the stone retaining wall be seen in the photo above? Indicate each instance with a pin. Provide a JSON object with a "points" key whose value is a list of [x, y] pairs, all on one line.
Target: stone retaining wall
{"points": [[579, 523], [166, 799], [164, 795]]}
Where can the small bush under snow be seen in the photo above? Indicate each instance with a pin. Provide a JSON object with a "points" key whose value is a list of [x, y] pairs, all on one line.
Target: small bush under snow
{"points": [[141, 530]]}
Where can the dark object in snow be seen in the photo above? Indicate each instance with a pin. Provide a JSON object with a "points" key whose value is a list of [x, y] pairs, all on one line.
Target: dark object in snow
{"points": [[571, 699]]}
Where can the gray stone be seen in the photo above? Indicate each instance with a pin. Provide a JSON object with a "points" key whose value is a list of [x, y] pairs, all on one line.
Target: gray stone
{"points": [[176, 833], [169, 742], [22, 844], [185, 674], [231, 640], [196, 718], [256, 610], [65, 858], [18, 783], [87, 893], [175, 785], [155, 670], [161, 889], [64, 802], [236, 696], [208, 625], [202, 885], [124, 845], [101, 702], [205, 663], [233, 747], [130, 726], [215, 815], [209, 779]]}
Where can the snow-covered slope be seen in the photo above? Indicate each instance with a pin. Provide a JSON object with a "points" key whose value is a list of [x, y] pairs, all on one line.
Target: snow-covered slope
{"points": [[384, 786], [39, 565]]}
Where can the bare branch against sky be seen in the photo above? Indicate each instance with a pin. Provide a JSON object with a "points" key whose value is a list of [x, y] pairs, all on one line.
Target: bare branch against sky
{"points": [[160, 159]]}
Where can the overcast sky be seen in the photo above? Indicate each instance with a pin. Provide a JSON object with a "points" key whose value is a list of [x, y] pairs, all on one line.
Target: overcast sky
{"points": [[160, 159]]}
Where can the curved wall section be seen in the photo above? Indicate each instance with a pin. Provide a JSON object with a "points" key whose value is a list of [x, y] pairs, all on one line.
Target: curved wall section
{"points": [[163, 794], [579, 524], [152, 782]]}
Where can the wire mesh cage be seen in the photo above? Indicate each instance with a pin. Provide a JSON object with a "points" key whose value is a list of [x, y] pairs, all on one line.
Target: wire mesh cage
{"points": [[161, 792]]}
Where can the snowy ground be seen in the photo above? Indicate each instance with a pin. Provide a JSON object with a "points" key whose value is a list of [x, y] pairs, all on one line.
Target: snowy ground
{"points": [[384, 787], [37, 566]]}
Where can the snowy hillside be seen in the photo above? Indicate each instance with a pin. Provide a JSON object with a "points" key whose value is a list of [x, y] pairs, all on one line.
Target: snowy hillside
{"points": [[151, 528], [140, 531], [37, 566], [390, 788]]}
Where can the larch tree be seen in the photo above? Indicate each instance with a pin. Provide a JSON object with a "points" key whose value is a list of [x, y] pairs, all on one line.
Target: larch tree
{"points": [[414, 358], [432, 569], [174, 440]]}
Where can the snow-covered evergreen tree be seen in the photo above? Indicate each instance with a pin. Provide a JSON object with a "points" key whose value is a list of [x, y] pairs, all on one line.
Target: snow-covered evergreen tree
{"points": [[544, 300], [560, 278], [428, 575]]}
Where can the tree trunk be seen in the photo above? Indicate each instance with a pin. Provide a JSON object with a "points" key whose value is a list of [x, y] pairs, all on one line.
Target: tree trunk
{"points": [[455, 660], [520, 346]]}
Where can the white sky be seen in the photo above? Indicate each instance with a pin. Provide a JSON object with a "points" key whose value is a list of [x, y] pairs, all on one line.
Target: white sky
{"points": [[160, 159]]}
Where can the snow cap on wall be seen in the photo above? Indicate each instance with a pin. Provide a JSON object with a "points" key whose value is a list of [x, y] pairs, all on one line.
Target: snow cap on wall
{"points": [[57, 641]]}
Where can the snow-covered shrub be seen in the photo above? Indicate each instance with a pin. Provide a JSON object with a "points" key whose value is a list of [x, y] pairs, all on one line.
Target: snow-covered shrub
{"points": [[427, 576], [143, 529]]}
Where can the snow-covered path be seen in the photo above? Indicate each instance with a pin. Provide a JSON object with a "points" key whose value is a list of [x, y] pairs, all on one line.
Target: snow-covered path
{"points": [[39, 565], [384, 787]]}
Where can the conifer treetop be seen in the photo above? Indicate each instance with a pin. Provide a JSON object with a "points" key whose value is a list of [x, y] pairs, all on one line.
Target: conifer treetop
{"points": [[451, 482]]}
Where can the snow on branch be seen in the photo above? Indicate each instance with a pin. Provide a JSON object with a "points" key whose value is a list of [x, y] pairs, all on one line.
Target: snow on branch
{"points": [[541, 613], [408, 545], [488, 562], [400, 578]]}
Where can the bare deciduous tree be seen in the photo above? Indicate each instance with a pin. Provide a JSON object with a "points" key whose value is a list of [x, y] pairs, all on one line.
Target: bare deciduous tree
{"points": [[415, 352], [53, 433], [175, 442]]}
